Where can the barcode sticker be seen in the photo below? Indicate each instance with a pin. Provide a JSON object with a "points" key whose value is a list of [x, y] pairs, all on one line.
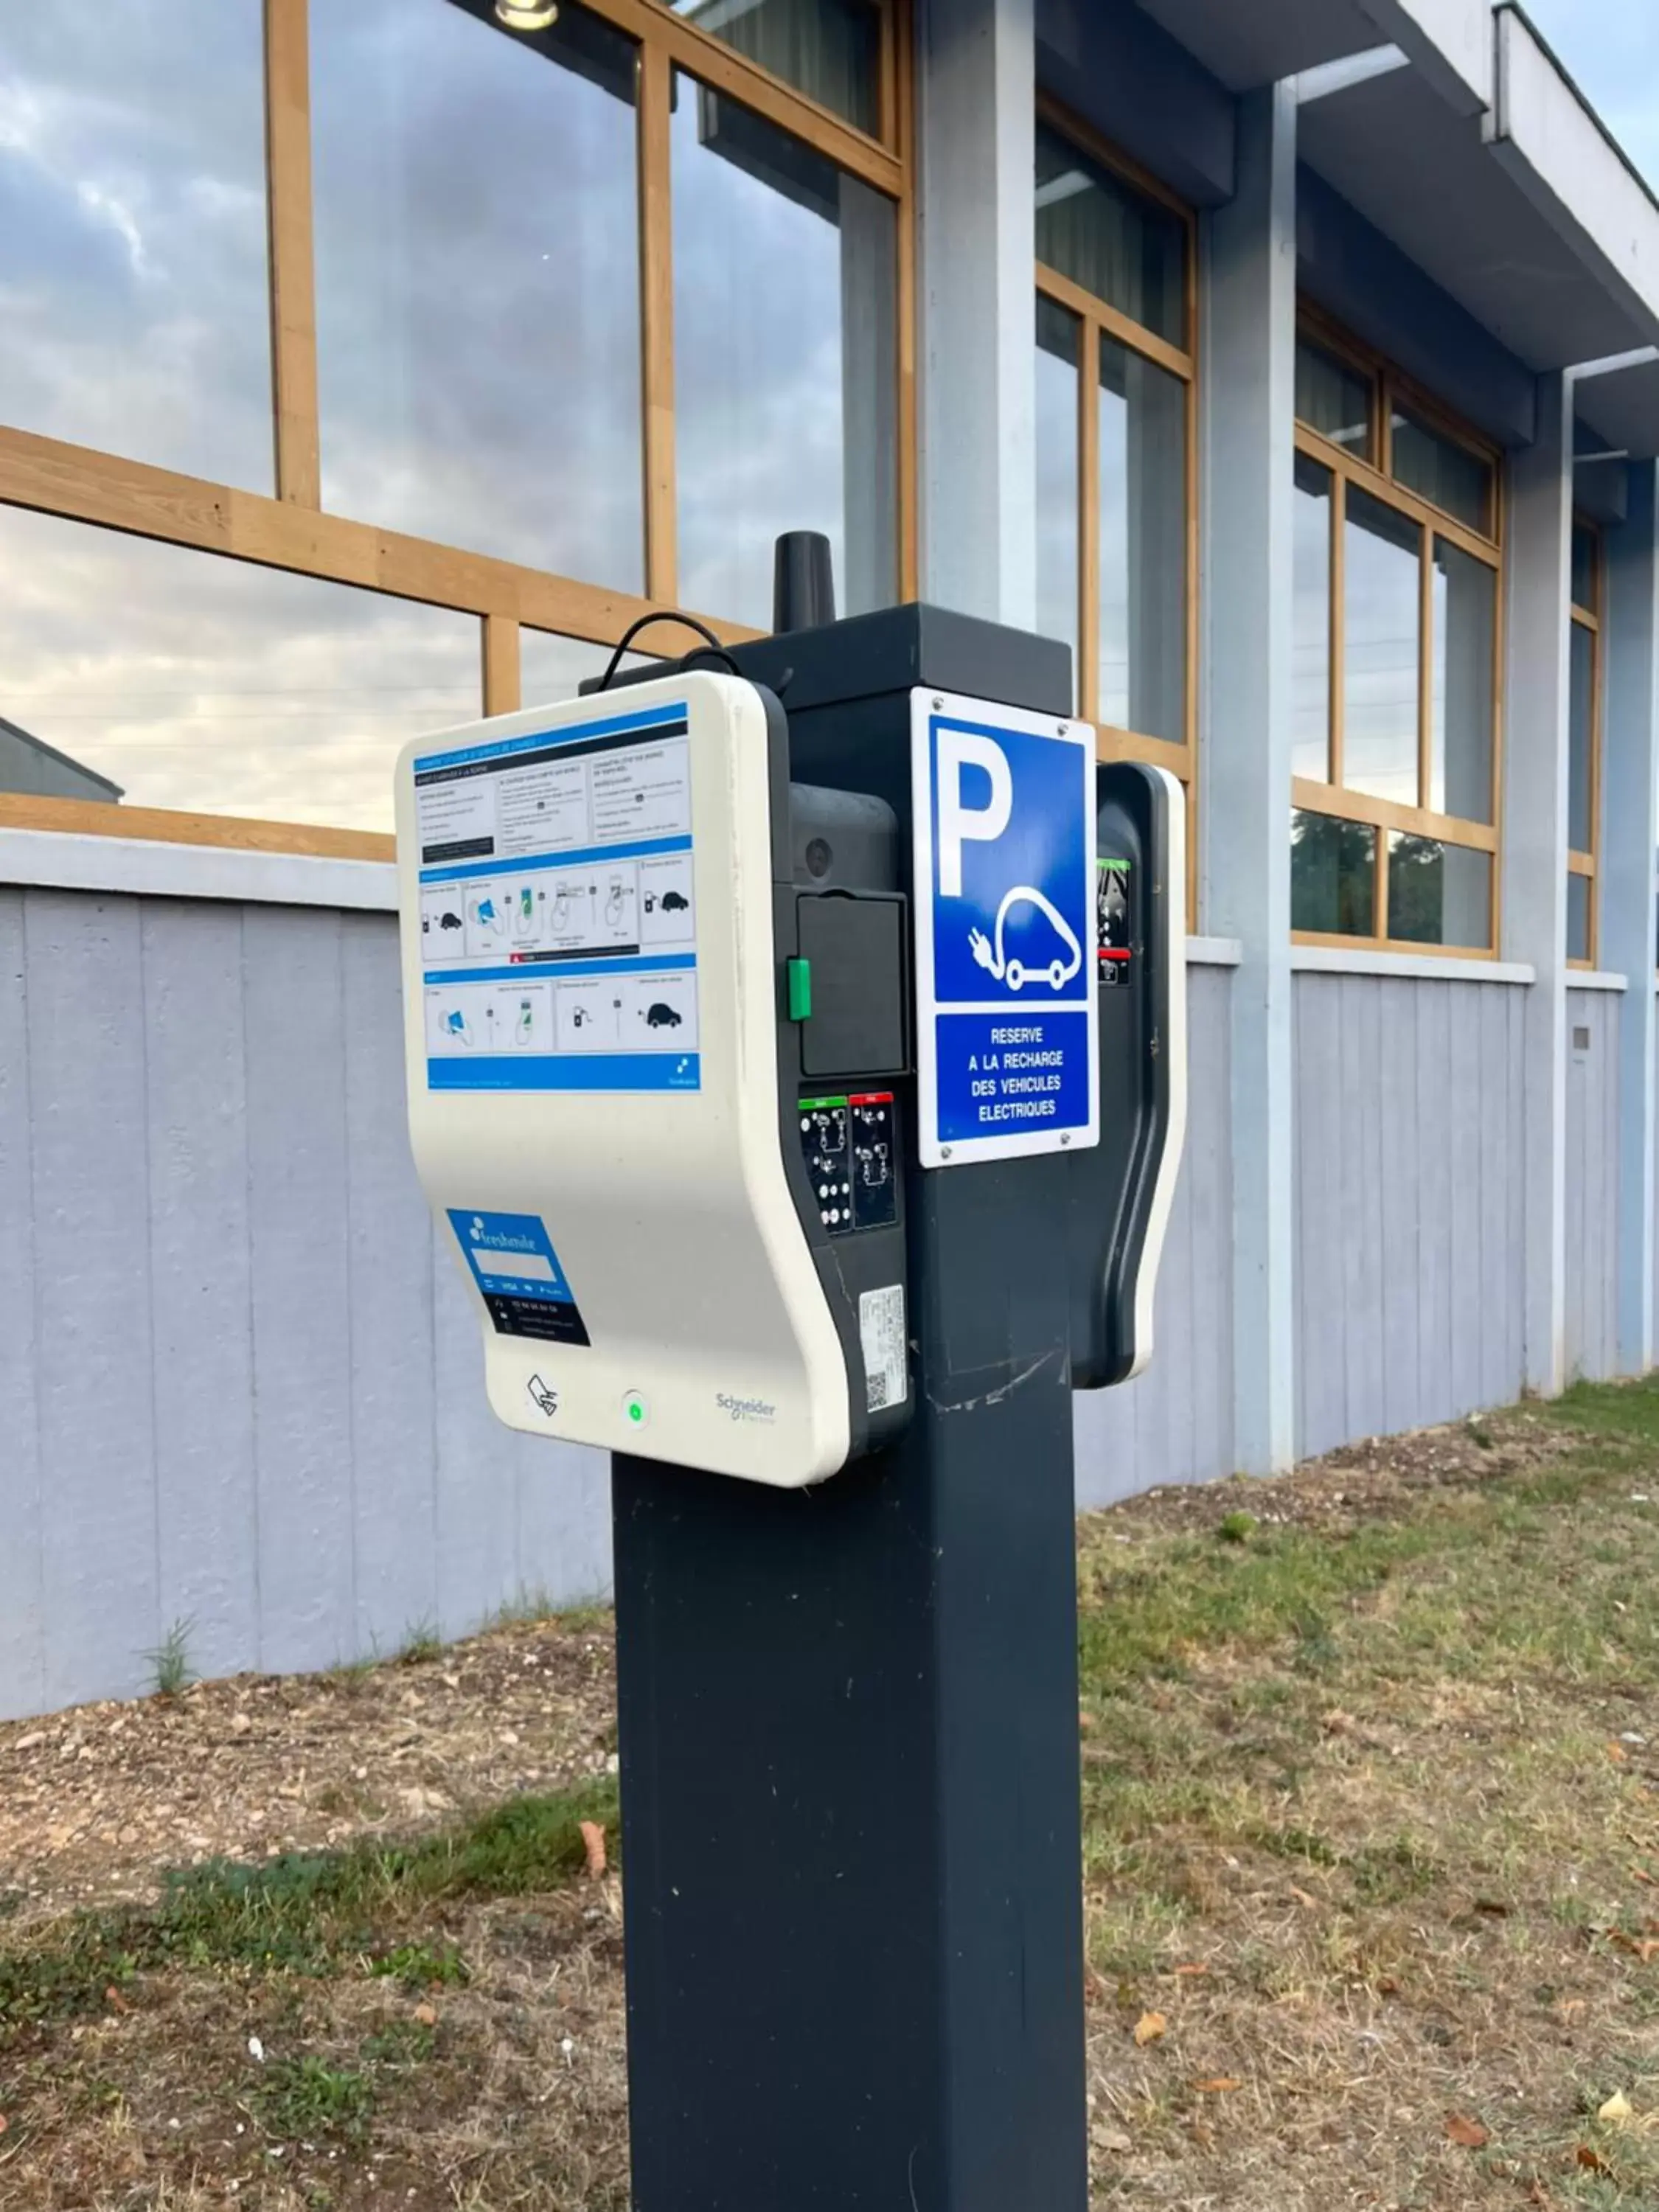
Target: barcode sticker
{"points": [[881, 1334]]}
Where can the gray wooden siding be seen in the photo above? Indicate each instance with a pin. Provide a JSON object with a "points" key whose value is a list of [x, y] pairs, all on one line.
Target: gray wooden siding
{"points": [[1592, 1164], [1175, 1423], [240, 1381], [1408, 1215]]}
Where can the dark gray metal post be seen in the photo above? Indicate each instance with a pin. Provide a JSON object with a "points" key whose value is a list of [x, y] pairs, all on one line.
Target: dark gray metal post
{"points": [[848, 1716]]}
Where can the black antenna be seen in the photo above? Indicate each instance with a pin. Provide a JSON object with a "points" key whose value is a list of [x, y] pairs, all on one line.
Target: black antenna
{"points": [[803, 581]]}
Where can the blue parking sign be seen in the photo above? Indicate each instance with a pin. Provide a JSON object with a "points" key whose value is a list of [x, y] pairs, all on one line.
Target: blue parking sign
{"points": [[1004, 815]]}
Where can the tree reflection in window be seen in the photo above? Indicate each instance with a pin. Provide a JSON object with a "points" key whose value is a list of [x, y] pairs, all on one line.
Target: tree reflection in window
{"points": [[1332, 875]]}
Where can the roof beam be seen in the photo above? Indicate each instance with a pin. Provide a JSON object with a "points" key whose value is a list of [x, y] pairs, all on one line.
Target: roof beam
{"points": [[1353, 69]]}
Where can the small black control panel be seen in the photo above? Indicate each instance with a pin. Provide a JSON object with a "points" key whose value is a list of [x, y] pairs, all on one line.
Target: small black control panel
{"points": [[850, 1148], [875, 1160], [1113, 920], [828, 1168]]}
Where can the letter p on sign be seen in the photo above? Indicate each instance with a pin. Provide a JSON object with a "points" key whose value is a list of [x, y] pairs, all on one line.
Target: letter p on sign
{"points": [[958, 749]]}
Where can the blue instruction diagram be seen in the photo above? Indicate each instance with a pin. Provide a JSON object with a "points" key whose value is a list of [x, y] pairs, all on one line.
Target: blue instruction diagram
{"points": [[1004, 813]]}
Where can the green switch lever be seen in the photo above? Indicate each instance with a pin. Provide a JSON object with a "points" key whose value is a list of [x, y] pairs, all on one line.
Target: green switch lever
{"points": [[801, 990]]}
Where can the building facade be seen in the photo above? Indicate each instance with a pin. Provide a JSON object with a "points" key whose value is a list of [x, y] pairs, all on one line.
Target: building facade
{"points": [[370, 364]]}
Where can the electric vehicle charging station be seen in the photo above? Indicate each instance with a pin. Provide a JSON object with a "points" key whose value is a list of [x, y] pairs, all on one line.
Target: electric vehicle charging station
{"points": [[850, 1229], [682, 1218]]}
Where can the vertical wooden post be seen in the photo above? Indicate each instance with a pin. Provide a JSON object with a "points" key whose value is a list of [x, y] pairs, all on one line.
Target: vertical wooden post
{"points": [[1338, 652], [293, 278], [899, 56], [1425, 672], [499, 636], [1088, 551], [657, 322]]}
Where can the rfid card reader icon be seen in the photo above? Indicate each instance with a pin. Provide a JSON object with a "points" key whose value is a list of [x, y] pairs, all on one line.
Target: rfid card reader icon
{"points": [[1016, 974]]}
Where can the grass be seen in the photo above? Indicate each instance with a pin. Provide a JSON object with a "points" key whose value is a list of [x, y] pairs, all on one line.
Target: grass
{"points": [[1370, 1778], [1370, 1802], [312, 1914], [169, 1663]]}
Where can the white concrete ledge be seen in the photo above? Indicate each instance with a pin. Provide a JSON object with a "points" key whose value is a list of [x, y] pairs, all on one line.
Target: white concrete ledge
{"points": [[1550, 139], [1213, 952], [1332, 960], [1589, 978], [51, 860]]}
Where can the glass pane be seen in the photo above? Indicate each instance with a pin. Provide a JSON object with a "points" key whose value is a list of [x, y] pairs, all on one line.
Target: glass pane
{"points": [[1143, 546], [1581, 740], [1439, 894], [1440, 470], [1333, 398], [1333, 876], [1586, 567], [478, 282], [212, 685], [1310, 680], [1381, 623], [785, 361], [1059, 340], [1126, 248], [830, 50], [132, 233], [1461, 731], [553, 668], [1578, 919]]}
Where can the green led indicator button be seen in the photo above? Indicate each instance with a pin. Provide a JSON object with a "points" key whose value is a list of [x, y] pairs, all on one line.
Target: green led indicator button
{"points": [[634, 1410], [801, 990]]}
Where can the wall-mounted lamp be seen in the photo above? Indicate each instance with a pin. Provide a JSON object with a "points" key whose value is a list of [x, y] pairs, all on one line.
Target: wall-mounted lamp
{"points": [[526, 14]]}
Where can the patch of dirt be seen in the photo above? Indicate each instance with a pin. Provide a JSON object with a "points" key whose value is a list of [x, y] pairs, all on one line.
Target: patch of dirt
{"points": [[1351, 1889], [95, 1802], [1377, 1480]]}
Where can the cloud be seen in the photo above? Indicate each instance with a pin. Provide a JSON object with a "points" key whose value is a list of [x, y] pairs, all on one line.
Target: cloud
{"points": [[132, 226], [213, 686], [479, 369]]}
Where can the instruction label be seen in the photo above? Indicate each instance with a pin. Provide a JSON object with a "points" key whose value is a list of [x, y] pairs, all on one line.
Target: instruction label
{"points": [[881, 1336], [558, 912]]}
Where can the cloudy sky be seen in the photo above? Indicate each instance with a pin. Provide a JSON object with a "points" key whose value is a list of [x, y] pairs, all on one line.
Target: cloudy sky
{"points": [[484, 398], [478, 341], [1612, 48]]}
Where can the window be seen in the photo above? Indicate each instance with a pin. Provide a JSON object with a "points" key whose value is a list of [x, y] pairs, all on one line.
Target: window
{"points": [[477, 305], [469, 344], [132, 233], [1397, 564], [218, 687], [1115, 429], [784, 343], [828, 49], [1585, 714]]}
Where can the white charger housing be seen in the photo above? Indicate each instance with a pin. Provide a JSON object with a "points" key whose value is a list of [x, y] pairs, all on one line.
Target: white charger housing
{"points": [[591, 1018]]}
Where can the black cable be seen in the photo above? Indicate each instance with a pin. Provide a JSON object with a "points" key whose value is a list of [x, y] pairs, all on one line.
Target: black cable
{"points": [[686, 622]]}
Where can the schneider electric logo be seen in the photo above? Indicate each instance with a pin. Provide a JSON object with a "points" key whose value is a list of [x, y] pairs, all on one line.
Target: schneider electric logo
{"points": [[745, 1409]]}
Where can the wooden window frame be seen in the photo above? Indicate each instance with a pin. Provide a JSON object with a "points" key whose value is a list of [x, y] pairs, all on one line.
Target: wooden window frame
{"points": [[291, 529], [1371, 472], [1592, 619], [1098, 319]]}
